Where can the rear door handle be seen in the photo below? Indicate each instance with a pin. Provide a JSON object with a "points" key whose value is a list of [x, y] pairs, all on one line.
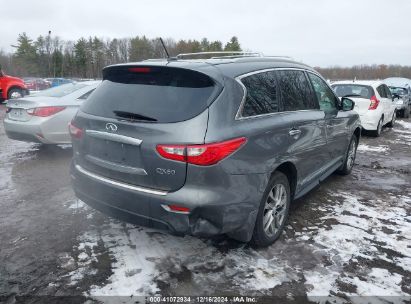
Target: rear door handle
{"points": [[294, 132]]}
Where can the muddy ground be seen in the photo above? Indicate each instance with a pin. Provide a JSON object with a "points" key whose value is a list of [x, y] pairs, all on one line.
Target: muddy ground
{"points": [[350, 237]]}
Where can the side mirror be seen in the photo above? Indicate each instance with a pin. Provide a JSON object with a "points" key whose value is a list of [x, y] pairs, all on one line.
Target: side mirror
{"points": [[347, 104]]}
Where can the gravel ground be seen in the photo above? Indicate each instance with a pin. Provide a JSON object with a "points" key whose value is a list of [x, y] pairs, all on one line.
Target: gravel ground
{"points": [[349, 240]]}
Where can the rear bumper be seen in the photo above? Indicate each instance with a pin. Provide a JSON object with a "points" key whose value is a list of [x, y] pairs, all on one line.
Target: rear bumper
{"points": [[35, 131], [369, 121], [230, 209]]}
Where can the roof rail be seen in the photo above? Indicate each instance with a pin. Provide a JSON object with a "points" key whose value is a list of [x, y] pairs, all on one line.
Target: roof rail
{"points": [[224, 54]]}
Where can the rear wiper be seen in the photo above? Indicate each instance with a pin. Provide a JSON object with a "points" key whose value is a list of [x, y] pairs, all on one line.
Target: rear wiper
{"points": [[352, 95], [133, 116]]}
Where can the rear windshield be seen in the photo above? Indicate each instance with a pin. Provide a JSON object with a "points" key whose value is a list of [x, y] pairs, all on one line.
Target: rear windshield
{"points": [[60, 91], [353, 90], [399, 91], [151, 94]]}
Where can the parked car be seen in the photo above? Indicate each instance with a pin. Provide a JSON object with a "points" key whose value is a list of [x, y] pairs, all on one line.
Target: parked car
{"points": [[36, 84], [373, 102], [55, 82], [43, 117], [220, 146], [11, 87], [402, 99]]}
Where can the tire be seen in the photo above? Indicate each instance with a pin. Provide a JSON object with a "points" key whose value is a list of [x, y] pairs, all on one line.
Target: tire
{"points": [[392, 122], [406, 112], [15, 93], [274, 207], [346, 168], [377, 132]]}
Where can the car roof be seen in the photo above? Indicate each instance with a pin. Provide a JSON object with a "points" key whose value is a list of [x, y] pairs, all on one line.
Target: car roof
{"points": [[231, 66], [372, 83]]}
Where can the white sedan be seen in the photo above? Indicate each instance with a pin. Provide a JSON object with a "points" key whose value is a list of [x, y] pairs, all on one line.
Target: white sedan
{"points": [[373, 102], [43, 117]]}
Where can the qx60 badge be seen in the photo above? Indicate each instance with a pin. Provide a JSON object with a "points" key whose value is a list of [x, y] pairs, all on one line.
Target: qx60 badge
{"points": [[111, 127]]}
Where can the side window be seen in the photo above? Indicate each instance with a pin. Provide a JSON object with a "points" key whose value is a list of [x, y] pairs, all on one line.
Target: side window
{"points": [[262, 94], [387, 92], [296, 92], [86, 95], [381, 91], [326, 98]]}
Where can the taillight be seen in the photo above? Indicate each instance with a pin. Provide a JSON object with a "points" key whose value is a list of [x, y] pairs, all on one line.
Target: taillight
{"points": [[75, 131], [45, 111], [374, 103], [202, 155]]}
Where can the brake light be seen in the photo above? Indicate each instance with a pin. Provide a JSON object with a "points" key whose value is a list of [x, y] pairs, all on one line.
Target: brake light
{"points": [[140, 70], [45, 111], [374, 103], [202, 155], [75, 131]]}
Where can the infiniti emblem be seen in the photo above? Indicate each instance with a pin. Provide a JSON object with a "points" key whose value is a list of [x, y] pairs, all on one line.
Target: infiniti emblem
{"points": [[111, 127]]}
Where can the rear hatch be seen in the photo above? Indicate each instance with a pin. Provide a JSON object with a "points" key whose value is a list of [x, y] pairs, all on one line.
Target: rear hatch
{"points": [[360, 94], [135, 109]]}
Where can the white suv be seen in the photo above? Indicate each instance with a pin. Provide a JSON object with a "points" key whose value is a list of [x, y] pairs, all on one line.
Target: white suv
{"points": [[373, 102]]}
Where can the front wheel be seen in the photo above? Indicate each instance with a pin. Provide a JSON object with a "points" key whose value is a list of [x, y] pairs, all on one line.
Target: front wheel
{"points": [[349, 157], [15, 93], [273, 211], [406, 112]]}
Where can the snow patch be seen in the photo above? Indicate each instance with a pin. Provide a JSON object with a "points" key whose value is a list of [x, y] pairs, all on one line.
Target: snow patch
{"points": [[366, 148]]}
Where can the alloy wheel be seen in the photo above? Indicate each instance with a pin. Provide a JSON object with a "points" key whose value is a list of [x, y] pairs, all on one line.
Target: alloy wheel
{"points": [[275, 209], [15, 94], [351, 154]]}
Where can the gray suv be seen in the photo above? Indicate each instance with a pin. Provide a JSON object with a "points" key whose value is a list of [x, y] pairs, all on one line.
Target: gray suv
{"points": [[210, 146]]}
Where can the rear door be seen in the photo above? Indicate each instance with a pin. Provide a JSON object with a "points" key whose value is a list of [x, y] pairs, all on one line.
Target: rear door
{"points": [[305, 126], [385, 103], [391, 103], [134, 110]]}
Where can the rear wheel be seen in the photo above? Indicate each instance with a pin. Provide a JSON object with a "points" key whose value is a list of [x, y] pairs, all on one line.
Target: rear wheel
{"points": [[350, 157], [15, 93], [273, 211], [392, 122], [377, 132]]}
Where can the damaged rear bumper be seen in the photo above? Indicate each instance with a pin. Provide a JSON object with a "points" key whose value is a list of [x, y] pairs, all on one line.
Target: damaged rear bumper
{"points": [[230, 208]]}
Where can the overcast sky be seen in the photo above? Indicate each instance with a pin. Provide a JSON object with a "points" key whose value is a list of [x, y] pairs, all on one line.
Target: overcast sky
{"points": [[317, 32]]}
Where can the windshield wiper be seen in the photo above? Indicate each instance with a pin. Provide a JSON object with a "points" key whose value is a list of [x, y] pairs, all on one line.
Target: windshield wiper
{"points": [[133, 116]]}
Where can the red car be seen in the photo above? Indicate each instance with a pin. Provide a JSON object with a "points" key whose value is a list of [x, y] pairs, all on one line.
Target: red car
{"points": [[11, 87], [36, 84]]}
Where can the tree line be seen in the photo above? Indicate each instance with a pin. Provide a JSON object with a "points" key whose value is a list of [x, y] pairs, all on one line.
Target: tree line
{"points": [[50, 56], [363, 72]]}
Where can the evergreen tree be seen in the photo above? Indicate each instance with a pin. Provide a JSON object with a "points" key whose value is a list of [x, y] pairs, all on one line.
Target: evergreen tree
{"points": [[233, 45]]}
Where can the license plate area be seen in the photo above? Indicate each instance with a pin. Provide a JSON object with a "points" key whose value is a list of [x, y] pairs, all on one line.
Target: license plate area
{"points": [[18, 114], [115, 152]]}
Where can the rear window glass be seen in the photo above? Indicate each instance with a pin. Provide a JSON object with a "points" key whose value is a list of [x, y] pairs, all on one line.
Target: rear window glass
{"points": [[262, 94], [60, 91], [151, 94], [353, 90]]}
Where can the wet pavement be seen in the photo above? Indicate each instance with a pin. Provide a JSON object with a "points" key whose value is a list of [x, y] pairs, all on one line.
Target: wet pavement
{"points": [[349, 237]]}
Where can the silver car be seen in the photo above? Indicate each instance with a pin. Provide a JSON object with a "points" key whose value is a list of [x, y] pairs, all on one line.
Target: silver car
{"points": [[43, 117]]}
